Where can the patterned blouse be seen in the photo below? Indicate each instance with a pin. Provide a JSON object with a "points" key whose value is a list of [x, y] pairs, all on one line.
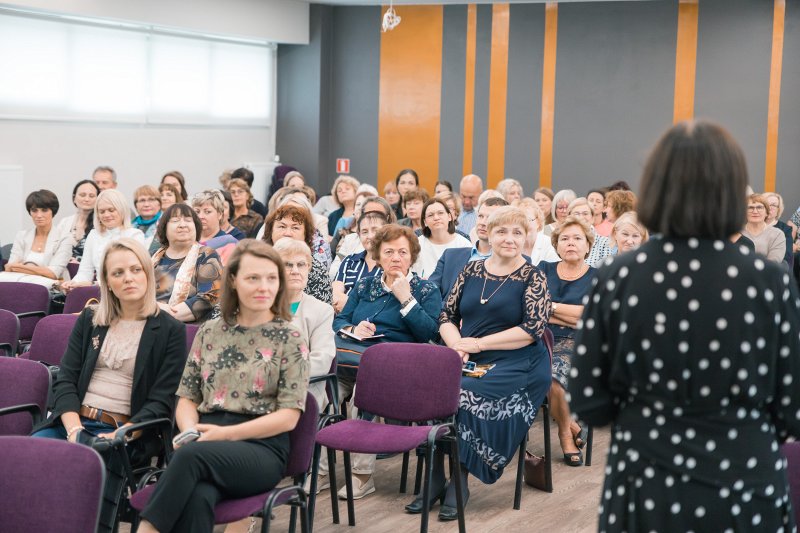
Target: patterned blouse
{"points": [[319, 284], [253, 371], [206, 281], [248, 223]]}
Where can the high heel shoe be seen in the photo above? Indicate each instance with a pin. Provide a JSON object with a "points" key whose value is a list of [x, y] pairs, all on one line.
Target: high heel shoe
{"points": [[415, 507], [574, 459], [580, 437]]}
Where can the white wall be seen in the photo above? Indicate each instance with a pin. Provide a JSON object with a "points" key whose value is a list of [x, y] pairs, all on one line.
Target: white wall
{"points": [[57, 155], [281, 21]]}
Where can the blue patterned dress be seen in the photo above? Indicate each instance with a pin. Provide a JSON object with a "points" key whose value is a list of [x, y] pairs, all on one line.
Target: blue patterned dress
{"points": [[497, 410]]}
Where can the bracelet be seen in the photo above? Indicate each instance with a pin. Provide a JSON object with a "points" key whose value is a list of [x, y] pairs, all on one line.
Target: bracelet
{"points": [[74, 430], [408, 301]]}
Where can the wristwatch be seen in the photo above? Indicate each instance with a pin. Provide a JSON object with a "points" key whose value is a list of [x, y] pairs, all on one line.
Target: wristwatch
{"points": [[555, 306]]}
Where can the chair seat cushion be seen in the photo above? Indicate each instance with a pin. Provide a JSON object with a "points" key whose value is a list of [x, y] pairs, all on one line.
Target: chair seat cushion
{"points": [[226, 511], [362, 436]]}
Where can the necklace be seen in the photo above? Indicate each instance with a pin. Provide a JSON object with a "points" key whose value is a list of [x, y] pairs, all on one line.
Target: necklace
{"points": [[485, 278], [581, 271]]}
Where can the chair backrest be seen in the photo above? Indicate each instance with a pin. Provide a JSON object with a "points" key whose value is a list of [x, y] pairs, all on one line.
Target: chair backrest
{"points": [[21, 382], [77, 298], [409, 382], [49, 485], [9, 332], [72, 268], [24, 298], [51, 338], [791, 450], [302, 439], [549, 341], [191, 331]]}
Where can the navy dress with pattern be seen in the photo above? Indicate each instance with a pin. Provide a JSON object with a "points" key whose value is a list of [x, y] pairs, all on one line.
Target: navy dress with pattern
{"points": [[496, 411]]}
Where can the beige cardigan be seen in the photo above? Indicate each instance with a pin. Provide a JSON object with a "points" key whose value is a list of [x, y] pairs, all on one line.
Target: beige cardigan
{"points": [[314, 319]]}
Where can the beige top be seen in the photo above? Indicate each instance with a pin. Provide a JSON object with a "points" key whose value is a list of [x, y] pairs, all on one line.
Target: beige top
{"points": [[112, 381]]}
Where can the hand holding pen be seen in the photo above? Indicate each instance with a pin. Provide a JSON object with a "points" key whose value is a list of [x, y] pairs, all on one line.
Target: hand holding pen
{"points": [[365, 328]]}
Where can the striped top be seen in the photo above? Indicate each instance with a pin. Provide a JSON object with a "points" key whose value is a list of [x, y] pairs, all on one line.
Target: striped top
{"points": [[353, 268]]}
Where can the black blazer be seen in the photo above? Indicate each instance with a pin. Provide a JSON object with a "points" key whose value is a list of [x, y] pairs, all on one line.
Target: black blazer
{"points": [[156, 374]]}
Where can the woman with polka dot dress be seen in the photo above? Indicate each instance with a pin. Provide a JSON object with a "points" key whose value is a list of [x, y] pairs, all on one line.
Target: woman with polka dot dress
{"points": [[689, 348]]}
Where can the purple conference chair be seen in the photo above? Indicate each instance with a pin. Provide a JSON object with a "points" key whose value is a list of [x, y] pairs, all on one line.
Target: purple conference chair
{"points": [[26, 300], [191, 331], [24, 386], [791, 450], [79, 296], [49, 485], [301, 449], [9, 333], [411, 383], [72, 268], [50, 339]]}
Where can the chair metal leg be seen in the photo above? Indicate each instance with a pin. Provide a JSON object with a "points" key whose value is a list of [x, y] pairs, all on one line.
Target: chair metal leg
{"points": [[334, 488], [293, 519], [548, 456], [312, 496], [520, 472], [426, 489], [404, 474], [418, 474], [589, 442], [348, 483], [455, 469]]}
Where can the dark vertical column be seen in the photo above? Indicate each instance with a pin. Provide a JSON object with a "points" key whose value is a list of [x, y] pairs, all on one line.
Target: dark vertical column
{"points": [[451, 144]]}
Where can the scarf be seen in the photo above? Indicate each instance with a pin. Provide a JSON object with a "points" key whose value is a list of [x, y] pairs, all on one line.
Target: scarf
{"points": [[183, 279], [140, 222]]}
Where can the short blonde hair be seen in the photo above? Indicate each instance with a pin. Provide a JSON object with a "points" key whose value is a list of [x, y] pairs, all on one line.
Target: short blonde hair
{"points": [[118, 202], [767, 195], [210, 196], [289, 246], [109, 310], [631, 219], [239, 182], [507, 185], [489, 193], [349, 180], [564, 195], [573, 221], [447, 196], [146, 190], [293, 174], [507, 215]]}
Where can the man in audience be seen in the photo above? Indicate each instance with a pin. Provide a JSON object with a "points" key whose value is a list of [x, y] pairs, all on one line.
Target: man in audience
{"points": [[453, 260], [247, 175], [105, 178], [470, 188]]}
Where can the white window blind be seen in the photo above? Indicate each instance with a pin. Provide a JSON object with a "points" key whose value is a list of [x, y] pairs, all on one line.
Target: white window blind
{"points": [[65, 70]]}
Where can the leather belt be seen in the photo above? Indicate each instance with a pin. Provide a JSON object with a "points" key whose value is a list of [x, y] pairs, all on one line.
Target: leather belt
{"points": [[100, 415]]}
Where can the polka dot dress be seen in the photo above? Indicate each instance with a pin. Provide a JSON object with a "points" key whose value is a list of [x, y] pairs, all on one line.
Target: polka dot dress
{"points": [[690, 349]]}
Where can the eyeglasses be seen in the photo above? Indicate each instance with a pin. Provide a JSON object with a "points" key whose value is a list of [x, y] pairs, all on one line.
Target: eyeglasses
{"points": [[581, 213], [300, 265], [755, 208], [147, 199], [237, 192]]}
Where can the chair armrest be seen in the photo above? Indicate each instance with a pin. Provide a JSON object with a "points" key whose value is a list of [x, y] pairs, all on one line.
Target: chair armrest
{"points": [[331, 386], [5, 348], [32, 408], [28, 314]]}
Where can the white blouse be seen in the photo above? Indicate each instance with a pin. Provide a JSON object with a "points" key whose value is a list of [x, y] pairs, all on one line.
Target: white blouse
{"points": [[96, 244]]}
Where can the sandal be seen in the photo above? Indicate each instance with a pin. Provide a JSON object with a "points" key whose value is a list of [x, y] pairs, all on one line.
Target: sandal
{"points": [[574, 459], [580, 437]]}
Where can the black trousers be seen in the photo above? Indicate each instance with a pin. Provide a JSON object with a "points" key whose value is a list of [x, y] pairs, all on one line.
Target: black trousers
{"points": [[201, 474]]}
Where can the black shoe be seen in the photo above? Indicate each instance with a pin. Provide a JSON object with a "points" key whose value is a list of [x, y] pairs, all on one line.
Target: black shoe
{"points": [[574, 459], [450, 512], [415, 507]]}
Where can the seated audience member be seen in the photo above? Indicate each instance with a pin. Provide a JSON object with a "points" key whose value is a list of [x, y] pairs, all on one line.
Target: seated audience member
{"points": [[406, 180], [768, 240], [567, 282], [511, 190], [601, 248], [438, 234], [242, 216], [344, 194], [358, 265], [413, 201], [321, 250], [244, 414], [294, 180], [442, 187], [537, 247], [302, 196], [618, 201], [39, 255], [398, 305], [597, 200], [78, 226], [278, 181], [775, 202], [469, 190], [347, 225], [325, 205], [170, 195], [543, 196], [177, 180], [225, 178], [454, 260], [112, 221], [628, 234], [351, 244], [210, 208], [312, 317], [122, 365], [293, 221], [495, 314], [247, 175], [105, 177], [225, 223], [391, 195], [559, 209], [147, 201], [454, 205], [188, 274]]}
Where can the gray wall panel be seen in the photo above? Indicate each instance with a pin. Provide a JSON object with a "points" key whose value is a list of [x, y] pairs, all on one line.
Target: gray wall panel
{"points": [[524, 107], [787, 181], [614, 89], [454, 54], [734, 44], [355, 76], [483, 55]]}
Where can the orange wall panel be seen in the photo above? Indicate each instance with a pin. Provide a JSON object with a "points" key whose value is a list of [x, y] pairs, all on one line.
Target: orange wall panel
{"points": [[685, 60], [469, 88], [410, 95], [498, 94], [774, 107], [548, 95]]}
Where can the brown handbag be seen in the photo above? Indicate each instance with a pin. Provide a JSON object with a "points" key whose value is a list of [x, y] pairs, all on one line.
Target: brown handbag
{"points": [[534, 471]]}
